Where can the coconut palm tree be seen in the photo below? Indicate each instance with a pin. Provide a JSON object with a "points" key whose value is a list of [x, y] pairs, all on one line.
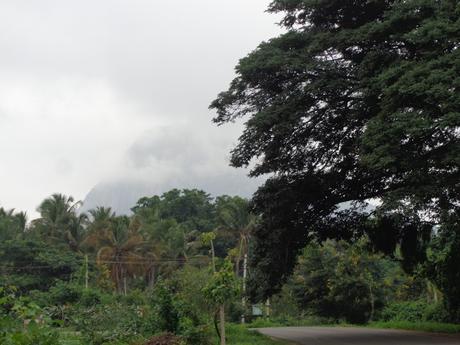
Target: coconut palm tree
{"points": [[119, 247], [12, 225], [161, 242], [57, 213], [76, 231], [100, 217], [235, 222]]}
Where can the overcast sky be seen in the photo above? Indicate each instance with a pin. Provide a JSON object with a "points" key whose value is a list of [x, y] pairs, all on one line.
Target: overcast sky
{"points": [[86, 85]]}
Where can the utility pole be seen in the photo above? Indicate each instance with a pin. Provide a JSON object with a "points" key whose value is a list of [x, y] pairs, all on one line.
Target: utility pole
{"points": [[243, 300]]}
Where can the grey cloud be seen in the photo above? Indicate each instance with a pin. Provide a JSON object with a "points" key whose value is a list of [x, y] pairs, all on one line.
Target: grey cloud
{"points": [[94, 92], [172, 157]]}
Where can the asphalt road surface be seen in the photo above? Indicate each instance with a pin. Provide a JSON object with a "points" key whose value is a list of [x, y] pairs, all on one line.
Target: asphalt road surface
{"points": [[357, 336]]}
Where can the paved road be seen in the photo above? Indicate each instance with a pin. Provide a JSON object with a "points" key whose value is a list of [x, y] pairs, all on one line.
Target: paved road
{"points": [[357, 336]]}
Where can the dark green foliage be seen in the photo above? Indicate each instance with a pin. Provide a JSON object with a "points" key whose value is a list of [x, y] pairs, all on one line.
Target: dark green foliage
{"points": [[34, 265], [64, 293], [176, 220], [91, 297], [404, 311], [340, 281], [233, 221], [414, 311], [191, 208], [444, 262], [436, 312], [59, 222], [14, 333], [21, 321], [357, 100], [171, 312], [65, 265], [105, 323], [166, 311], [12, 225]]}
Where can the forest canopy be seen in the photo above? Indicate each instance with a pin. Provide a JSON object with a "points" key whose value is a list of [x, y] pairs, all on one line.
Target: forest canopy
{"points": [[356, 101]]}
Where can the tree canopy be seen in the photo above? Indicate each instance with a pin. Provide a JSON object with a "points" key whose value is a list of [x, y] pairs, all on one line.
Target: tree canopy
{"points": [[357, 100]]}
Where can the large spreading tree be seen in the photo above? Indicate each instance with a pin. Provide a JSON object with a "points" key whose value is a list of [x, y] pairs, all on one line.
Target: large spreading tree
{"points": [[356, 101]]}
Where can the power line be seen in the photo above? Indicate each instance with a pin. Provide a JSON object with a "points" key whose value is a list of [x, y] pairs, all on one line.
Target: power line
{"points": [[123, 262]]}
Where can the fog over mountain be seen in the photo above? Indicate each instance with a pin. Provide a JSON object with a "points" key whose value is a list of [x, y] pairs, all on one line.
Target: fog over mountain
{"points": [[122, 195], [172, 157], [87, 86]]}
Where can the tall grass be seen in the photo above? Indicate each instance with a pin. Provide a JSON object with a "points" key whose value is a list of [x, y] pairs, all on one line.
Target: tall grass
{"points": [[241, 335], [435, 327]]}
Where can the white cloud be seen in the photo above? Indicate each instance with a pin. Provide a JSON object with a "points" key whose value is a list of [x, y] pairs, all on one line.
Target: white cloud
{"points": [[60, 136], [85, 83]]}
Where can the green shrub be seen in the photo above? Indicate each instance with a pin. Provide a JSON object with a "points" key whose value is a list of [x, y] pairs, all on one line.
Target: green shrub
{"points": [[167, 312], [13, 332], [415, 311], [404, 311], [90, 297], [436, 313], [107, 323], [436, 327], [290, 321], [65, 293], [134, 297]]}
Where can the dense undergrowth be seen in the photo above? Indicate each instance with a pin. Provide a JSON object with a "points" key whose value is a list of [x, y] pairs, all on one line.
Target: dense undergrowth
{"points": [[131, 279]]}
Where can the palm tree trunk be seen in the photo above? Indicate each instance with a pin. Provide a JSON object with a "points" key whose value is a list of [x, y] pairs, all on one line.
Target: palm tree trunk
{"points": [[238, 259], [243, 299], [125, 285], [213, 253], [222, 324], [151, 277]]}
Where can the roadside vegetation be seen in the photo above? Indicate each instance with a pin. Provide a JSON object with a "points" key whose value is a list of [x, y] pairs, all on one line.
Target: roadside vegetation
{"points": [[434, 327], [352, 116], [174, 265]]}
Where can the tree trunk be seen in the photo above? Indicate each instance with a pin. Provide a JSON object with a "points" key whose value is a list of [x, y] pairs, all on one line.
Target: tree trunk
{"points": [[238, 259], [267, 308], [216, 322], [371, 294], [243, 299], [213, 256], [152, 273], [222, 324]]}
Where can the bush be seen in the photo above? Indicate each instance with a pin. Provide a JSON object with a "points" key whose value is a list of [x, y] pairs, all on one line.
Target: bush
{"points": [[404, 311], [134, 297], [64, 293], [418, 311], [90, 297], [436, 313], [339, 280], [107, 323], [14, 333], [168, 312], [286, 321]]}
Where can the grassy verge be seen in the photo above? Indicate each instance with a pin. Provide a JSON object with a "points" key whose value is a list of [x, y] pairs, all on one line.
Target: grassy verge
{"points": [[309, 321], [240, 335], [434, 327], [236, 335]]}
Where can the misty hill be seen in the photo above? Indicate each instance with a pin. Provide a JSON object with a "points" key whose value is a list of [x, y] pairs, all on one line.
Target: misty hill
{"points": [[122, 195]]}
